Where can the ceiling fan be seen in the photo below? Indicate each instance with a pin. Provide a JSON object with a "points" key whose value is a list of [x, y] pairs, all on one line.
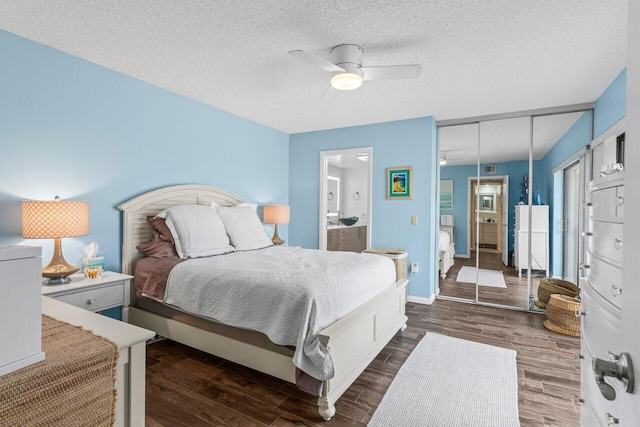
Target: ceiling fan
{"points": [[347, 72]]}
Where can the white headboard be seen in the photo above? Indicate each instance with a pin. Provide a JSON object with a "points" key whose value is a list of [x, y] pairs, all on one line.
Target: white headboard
{"points": [[136, 230]]}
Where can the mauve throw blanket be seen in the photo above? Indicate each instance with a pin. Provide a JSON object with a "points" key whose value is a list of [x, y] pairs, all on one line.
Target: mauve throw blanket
{"points": [[289, 294]]}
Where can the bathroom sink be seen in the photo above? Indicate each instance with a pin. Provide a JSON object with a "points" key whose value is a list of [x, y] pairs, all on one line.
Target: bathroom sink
{"points": [[349, 221]]}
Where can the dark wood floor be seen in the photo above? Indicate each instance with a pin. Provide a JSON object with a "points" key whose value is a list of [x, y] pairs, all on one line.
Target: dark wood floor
{"points": [[186, 387], [515, 295]]}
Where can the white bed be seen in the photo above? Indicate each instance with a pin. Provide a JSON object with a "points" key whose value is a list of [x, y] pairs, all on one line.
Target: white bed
{"points": [[447, 248], [353, 341]]}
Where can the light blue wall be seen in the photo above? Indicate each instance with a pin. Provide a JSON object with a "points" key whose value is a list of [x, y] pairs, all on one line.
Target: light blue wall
{"points": [[401, 143], [460, 176], [72, 128], [611, 106], [577, 137]]}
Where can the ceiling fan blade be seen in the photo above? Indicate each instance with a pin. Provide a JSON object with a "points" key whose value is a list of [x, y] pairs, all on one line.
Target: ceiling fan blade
{"points": [[315, 61], [391, 72]]}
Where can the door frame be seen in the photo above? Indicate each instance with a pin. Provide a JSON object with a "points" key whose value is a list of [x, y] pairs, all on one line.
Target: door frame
{"points": [[322, 205], [470, 209]]}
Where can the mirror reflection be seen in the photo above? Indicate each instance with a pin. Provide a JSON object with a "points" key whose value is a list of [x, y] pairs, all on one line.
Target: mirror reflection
{"points": [[347, 207], [503, 200]]}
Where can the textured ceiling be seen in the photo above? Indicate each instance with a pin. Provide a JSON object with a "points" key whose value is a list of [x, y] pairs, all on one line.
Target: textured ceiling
{"points": [[478, 57]]}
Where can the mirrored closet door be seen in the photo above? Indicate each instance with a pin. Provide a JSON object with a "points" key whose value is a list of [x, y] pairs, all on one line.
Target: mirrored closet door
{"points": [[458, 168], [510, 192], [501, 192]]}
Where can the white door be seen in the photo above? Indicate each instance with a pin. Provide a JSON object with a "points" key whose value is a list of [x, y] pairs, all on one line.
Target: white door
{"points": [[505, 220], [630, 402], [570, 224]]}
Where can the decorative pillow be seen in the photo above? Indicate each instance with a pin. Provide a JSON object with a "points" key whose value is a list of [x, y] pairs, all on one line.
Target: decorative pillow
{"points": [[244, 227], [160, 226], [197, 231], [158, 248]]}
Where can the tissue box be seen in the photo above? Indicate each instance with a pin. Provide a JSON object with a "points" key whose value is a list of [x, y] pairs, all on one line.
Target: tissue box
{"points": [[92, 267]]}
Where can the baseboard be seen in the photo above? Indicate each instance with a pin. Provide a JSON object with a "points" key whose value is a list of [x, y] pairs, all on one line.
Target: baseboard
{"points": [[421, 300], [462, 256], [437, 291]]}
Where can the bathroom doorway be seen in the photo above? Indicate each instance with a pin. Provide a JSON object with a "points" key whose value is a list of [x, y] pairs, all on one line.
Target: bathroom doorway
{"points": [[345, 199]]}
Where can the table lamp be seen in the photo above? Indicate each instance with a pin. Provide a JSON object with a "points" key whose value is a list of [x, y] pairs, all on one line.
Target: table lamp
{"points": [[276, 214], [55, 219]]}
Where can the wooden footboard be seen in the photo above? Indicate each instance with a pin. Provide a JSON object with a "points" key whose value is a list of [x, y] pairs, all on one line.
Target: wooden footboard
{"points": [[447, 260], [353, 342], [356, 339]]}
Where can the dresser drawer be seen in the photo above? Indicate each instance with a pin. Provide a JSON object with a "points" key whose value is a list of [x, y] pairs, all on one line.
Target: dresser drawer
{"points": [[620, 201], [601, 325], [603, 203], [604, 278], [97, 298], [605, 241]]}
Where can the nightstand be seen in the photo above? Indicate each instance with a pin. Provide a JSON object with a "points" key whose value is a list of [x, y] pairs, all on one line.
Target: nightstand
{"points": [[109, 291]]}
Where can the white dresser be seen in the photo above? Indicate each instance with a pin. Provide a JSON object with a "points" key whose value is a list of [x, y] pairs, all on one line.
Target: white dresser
{"points": [[602, 292], [539, 238]]}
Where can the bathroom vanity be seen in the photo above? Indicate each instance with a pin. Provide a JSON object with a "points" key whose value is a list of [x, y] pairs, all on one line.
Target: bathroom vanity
{"points": [[346, 238]]}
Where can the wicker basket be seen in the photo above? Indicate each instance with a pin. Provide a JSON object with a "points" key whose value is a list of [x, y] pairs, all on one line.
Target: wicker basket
{"points": [[561, 315], [399, 257], [548, 287]]}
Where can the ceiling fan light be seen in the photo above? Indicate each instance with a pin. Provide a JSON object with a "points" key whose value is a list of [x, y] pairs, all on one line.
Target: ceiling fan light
{"points": [[443, 161], [346, 81]]}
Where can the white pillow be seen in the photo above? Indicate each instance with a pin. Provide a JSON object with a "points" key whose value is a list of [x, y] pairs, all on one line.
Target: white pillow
{"points": [[197, 231], [253, 206], [244, 227]]}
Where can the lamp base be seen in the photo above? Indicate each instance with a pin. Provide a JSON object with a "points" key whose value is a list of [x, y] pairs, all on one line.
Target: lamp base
{"points": [[58, 268], [276, 239], [58, 281]]}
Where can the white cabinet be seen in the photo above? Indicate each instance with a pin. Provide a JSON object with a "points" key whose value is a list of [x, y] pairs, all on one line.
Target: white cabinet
{"points": [[539, 238], [602, 290], [110, 290], [20, 310]]}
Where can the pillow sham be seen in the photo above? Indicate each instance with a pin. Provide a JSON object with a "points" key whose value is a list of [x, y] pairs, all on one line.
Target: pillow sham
{"points": [[158, 248], [253, 206], [244, 227], [160, 226], [197, 231]]}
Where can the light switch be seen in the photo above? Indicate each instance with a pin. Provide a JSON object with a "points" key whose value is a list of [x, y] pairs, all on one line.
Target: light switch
{"points": [[414, 220]]}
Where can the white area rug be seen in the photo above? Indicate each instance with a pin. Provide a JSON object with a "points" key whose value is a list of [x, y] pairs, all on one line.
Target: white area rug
{"points": [[493, 278], [450, 382]]}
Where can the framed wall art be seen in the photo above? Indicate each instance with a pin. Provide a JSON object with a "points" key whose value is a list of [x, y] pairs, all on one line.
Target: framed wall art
{"points": [[446, 195], [399, 182]]}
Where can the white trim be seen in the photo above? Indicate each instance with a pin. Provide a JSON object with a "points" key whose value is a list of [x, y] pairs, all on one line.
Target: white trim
{"points": [[421, 300], [575, 108], [462, 256], [575, 157]]}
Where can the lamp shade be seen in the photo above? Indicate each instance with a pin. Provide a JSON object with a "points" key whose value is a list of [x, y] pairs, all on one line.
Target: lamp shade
{"points": [[276, 214], [54, 219]]}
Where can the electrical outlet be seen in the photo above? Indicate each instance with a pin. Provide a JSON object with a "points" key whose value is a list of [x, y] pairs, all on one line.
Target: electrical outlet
{"points": [[414, 267], [414, 220]]}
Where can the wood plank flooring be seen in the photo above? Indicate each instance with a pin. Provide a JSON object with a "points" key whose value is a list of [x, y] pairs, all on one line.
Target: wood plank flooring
{"points": [[515, 295], [186, 387]]}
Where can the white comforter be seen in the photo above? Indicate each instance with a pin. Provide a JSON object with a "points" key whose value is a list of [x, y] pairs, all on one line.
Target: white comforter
{"points": [[289, 294]]}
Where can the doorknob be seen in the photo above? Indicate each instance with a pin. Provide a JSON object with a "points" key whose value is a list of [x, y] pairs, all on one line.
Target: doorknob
{"points": [[619, 367]]}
